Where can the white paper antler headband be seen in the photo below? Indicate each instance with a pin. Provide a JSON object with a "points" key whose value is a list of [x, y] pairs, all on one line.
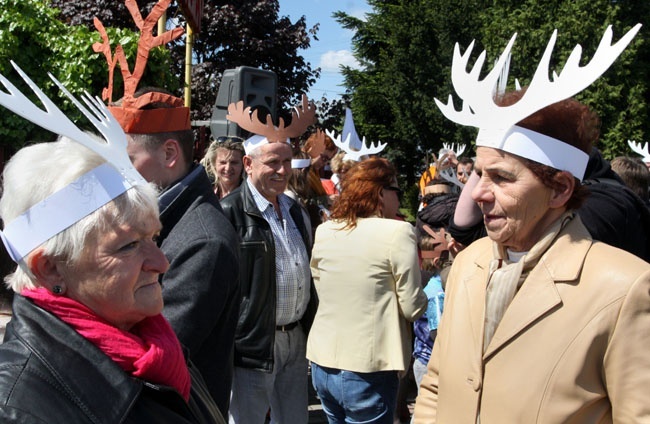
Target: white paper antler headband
{"points": [[456, 150], [643, 151], [90, 191], [496, 124], [354, 148], [351, 154]]}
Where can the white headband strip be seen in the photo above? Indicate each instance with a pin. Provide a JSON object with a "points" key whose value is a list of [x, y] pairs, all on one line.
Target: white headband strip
{"points": [[256, 141], [536, 147], [62, 209], [300, 163]]}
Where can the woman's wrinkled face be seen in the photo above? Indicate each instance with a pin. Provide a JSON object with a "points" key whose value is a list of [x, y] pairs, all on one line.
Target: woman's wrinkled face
{"points": [[118, 277], [514, 202], [228, 166]]}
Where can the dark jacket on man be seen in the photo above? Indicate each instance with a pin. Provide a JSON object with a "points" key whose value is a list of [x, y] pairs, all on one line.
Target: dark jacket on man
{"points": [[613, 213], [255, 333], [201, 287], [50, 374]]}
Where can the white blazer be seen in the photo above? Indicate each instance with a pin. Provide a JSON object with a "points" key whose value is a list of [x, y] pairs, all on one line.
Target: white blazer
{"points": [[368, 285]]}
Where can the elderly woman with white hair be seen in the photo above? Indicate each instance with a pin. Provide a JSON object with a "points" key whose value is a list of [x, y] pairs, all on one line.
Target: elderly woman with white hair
{"points": [[87, 342]]}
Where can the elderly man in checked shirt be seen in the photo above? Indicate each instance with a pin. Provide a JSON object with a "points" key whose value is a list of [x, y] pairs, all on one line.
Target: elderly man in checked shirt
{"points": [[278, 302]]}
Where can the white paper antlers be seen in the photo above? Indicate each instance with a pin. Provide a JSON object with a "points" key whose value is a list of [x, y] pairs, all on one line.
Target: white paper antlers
{"points": [[350, 153], [497, 124], [636, 148], [52, 119], [353, 147], [459, 150], [479, 109]]}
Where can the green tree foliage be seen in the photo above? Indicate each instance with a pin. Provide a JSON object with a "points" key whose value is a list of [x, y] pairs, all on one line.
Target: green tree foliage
{"points": [[31, 36], [402, 46], [405, 48]]}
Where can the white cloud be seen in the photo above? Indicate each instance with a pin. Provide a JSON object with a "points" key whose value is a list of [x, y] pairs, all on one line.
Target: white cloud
{"points": [[330, 61]]}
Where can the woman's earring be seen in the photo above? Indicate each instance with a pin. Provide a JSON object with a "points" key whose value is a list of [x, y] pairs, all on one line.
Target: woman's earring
{"points": [[57, 289]]}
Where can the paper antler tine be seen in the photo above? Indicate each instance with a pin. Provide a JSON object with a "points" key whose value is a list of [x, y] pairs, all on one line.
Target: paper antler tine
{"points": [[461, 150], [301, 118], [450, 175], [242, 116], [114, 148], [573, 78], [106, 122], [345, 144], [332, 135], [437, 236], [335, 138], [342, 144], [475, 93], [18, 103], [372, 149], [92, 117], [95, 117], [636, 148]]}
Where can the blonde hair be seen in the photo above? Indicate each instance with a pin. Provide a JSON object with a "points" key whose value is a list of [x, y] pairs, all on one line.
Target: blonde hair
{"points": [[211, 154]]}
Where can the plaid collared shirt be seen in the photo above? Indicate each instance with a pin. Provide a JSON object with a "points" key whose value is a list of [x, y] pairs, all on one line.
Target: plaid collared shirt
{"points": [[292, 271]]}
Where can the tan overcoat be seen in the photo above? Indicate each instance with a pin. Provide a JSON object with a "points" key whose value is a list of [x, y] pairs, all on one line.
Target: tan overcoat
{"points": [[573, 346]]}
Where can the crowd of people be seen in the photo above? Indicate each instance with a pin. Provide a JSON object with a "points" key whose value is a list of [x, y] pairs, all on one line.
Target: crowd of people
{"points": [[152, 288]]}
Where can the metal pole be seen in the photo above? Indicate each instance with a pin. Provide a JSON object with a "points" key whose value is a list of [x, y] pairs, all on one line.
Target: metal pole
{"points": [[188, 66], [162, 22]]}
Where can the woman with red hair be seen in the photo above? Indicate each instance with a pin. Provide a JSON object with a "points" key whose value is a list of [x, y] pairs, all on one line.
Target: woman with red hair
{"points": [[365, 269]]}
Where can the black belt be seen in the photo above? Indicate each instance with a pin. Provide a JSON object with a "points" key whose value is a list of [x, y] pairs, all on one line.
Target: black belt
{"points": [[286, 327]]}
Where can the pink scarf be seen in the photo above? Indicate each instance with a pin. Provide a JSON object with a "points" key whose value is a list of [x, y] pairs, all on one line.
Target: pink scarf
{"points": [[150, 351]]}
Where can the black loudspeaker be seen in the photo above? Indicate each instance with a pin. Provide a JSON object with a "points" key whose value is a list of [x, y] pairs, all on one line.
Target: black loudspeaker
{"points": [[256, 87]]}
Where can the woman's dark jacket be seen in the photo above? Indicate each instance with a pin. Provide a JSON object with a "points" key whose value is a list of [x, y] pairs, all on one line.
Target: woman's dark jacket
{"points": [[50, 374], [255, 334]]}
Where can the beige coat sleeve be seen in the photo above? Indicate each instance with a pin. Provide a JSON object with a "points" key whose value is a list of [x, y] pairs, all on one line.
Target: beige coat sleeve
{"points": [[405, 267], [627, 359]]}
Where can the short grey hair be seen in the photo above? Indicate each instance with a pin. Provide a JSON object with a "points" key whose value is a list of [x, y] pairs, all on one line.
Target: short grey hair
{"points": [[39, 170]]}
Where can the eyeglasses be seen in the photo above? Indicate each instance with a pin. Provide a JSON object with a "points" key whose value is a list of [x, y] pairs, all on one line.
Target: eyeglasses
{"points": [[229, 139], [395, 189]]}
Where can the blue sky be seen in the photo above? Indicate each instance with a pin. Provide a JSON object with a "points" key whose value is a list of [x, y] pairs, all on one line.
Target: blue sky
{"points": [[333, 47]]}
